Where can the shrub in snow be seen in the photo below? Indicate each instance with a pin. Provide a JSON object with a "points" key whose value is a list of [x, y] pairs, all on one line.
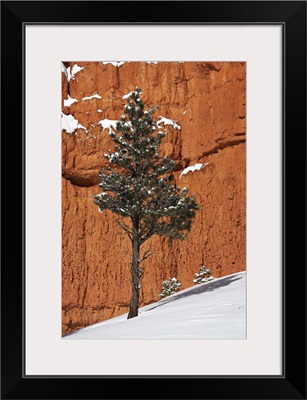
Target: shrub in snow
{"points": [[169, 287], [204, 275]]}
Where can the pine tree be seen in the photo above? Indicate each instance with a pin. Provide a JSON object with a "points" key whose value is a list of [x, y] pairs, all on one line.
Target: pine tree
{"points": [[138, 186], [169, 287], [204, 275]]}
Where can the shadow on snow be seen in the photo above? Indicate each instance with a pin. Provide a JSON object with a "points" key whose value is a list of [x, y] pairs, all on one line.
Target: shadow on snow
{"points": [[198, 289], [202, 288]]}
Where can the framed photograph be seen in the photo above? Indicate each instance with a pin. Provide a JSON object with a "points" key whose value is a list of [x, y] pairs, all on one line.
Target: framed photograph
{"points": [[162, 152]]}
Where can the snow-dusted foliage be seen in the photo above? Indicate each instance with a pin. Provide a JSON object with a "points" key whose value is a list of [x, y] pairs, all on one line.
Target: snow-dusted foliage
{"points": [[169, 287], [126, 96], [204, 275], [143, 189]]}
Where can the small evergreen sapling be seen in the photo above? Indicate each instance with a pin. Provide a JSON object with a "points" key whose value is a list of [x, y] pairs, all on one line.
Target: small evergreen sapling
{"points": [[138, 187], [169, 287], [204, 275]]}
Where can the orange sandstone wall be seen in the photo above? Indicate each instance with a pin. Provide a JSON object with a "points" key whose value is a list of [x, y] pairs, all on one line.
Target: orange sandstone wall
{"points": [[208, 102]]}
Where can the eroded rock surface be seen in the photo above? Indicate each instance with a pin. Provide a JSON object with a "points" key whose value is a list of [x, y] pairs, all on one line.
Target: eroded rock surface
{"points": [[208, 102]]}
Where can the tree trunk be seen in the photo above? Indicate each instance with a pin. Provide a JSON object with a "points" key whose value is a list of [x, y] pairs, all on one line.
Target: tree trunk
{"points": [[135, 271]]}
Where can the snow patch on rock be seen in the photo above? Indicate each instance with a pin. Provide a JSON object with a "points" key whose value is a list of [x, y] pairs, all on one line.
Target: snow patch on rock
{"points": [[192, 168], [69, 101], [114, 63], [94, 96], [70, 124], [70, 73], [126, 96], [108, 124], [167, 121], [64, 70]]}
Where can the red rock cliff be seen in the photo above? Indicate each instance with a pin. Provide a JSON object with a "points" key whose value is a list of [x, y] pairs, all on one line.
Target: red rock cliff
{"points": [[208, 102]]}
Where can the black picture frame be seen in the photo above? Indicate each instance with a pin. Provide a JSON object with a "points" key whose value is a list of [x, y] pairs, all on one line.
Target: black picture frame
{"points": [[292, 16]]}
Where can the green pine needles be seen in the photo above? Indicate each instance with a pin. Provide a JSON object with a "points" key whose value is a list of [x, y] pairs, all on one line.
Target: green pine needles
{"points": [[139, 186], [169, 287]]}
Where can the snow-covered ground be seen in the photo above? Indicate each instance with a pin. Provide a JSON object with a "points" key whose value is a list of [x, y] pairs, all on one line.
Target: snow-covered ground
{"points": [[211, 310]]}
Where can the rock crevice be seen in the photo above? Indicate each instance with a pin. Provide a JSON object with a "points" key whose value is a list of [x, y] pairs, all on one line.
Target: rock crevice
{"points": [[221, 146]]}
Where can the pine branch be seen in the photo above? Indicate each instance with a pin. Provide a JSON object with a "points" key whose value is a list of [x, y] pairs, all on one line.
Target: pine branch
{"points": [[125, 228], [141, 272], [149, 233], [146, 254], [143, 185]]}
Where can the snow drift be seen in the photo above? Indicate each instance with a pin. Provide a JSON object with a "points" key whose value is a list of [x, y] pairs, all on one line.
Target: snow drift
{"points": [[211, 310]]}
